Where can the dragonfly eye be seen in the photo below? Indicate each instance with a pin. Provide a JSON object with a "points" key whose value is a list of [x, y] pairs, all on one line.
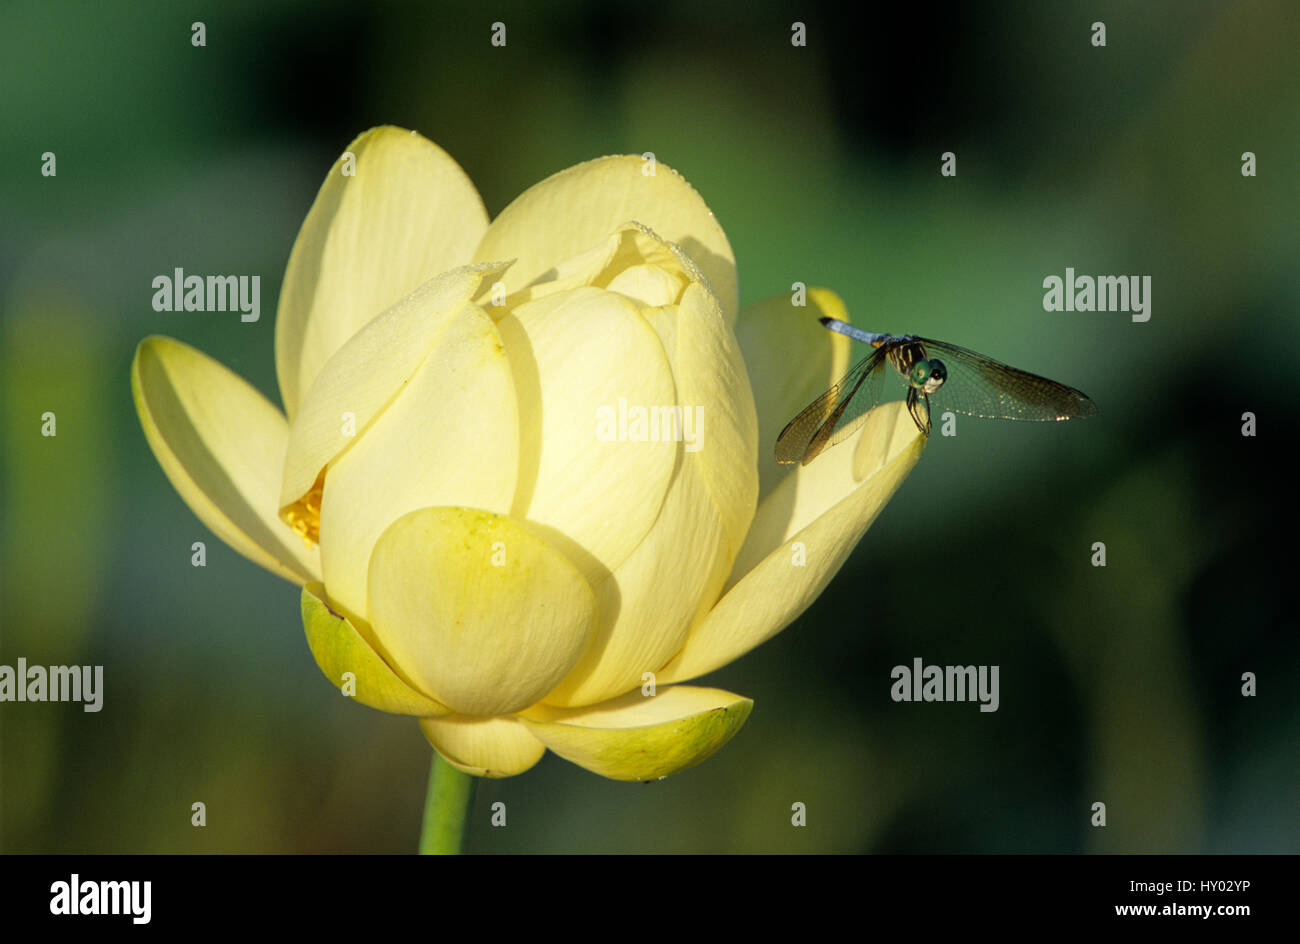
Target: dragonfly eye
{"points": [[928, 376], [937, 374]]}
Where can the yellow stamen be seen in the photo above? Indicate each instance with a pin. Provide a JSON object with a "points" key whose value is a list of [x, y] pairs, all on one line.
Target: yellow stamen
{"points": [[303, 516]]}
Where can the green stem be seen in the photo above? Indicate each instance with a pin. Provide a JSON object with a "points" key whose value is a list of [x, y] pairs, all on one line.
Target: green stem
{"points": [[445, 809]]}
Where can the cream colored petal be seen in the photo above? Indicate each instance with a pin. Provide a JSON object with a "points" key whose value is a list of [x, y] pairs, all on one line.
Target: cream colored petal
{"points": [[644, 269], [815, 490], [636, 737], [824, 508], [382, 225], [348, 660], [484, 747], [222, 445], [632, 260], [686, 548], [649, 603], [572, 211], [639, 246], [575, 272], [797, 359], [648, 285], [364, 375], [712, 380], [583, 360], [477, 609], [450, 437]]}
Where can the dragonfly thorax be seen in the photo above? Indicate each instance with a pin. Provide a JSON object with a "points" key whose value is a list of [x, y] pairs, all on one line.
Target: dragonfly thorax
{"points": [[925, 374]]}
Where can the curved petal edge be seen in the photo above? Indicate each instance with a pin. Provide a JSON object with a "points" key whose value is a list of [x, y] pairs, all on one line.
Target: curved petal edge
{"points": [[635, 737], [341, 650], [484, 747], [221, 444], [774, 582]]}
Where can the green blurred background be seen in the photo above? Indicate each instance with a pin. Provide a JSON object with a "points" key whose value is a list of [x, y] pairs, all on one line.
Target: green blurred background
{"points": [[1119, 685]]}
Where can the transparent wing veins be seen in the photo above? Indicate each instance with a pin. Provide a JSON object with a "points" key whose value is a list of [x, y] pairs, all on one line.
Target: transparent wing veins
{"points": [[980, 386], [835, 415]]}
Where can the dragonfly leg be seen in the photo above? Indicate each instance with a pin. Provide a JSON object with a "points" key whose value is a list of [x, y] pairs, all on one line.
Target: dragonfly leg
{"points": [[918, 404]]}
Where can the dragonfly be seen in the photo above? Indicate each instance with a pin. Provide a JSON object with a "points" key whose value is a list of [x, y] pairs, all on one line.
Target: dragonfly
{"points": [[957, 379]]}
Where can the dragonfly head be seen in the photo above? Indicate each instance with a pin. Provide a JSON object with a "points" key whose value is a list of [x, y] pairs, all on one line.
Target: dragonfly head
{"points": [[927, 376]]}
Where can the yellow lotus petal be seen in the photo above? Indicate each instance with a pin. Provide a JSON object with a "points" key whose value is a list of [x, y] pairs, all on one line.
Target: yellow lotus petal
{"points": [[450, 437], [798, 360], [687, 548], [802, 499], [773, 581], [635, 737], [582, 360], [379, 229], [572, 211], [362, 377], [575, 272], [648, 605], [484, 747], [340, 648], [477, 609], [648, 285], [222, 445], [646, 268], [632, 260], [711, 377]]}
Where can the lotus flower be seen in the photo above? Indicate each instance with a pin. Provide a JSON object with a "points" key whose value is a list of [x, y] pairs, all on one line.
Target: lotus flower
{"points": [[521, 474]]}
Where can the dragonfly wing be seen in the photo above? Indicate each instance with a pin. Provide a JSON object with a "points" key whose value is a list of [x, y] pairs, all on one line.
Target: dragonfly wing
{"points": [[835, 415], [980, 386]]}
